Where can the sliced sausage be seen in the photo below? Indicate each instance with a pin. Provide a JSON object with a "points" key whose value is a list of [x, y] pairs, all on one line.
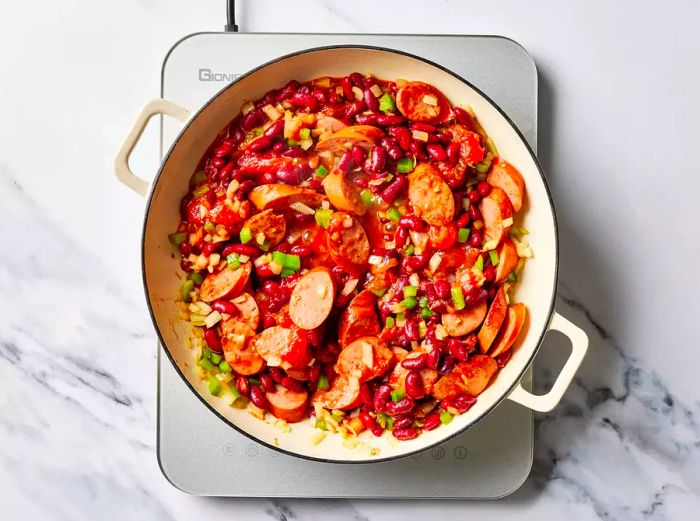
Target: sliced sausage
{"points": [[343, 193], [347, 242], [272, 225], [344, 393], [287, 405], [359, 319], [329, 124], [507, 259], [263, 164], [495, 208], [420, 101], [345, 138], [471, 152], [225, 283], [365, 358], [512, 325], [397, 377], [506, 177], [248, 310], [465, 321], [236, 341], [280, 195], [494, 319], [272, 343], [430, 196], [457, 257], [312, 299], [471, 377]]}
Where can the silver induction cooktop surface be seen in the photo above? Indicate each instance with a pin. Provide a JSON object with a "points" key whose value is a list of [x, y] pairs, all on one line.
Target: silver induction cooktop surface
{"points": [[199, 453]]}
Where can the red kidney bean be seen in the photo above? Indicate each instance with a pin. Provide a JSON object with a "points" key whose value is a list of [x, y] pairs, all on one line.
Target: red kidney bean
{"points": [[269, 321], [483, 188], [276, 374], [447, 365], [457, 349], [357, 79], [381, 398], [405, 434], [418, 150], [242, 385], [366, 118], [294, 152], [223, 150], [346, 84], [268, 177], [185, 248], [423, 127], [224, 306], [292, 384], [432, 139], [391, 192], [345, 164], [489, 273], [411, 330], [267, 383], [463, 117], [377, 159], [371, 100], [279, 147], [402, 136], [474, 196], [274, 130], [474, 212], [211, 337], [304, 100], [218, 162], [436, 152], [264, 271], [289, 89], [354, 108], [414, 385], [392, 148], [358, 154], [245, 249], [418, 362], [208, 248], [270, 288], [258, 397], [403, 422], [389, 120], [412, 222], [313, 373], [475, 238], [260, 144], [463, 402], [400, 237], [432, 421], [253, 119], [320, 94], [289, 175], [301, 250], [464, 220], [442, 288], [474, 296], [452, 151], [434, 357], [443, 138], [367, 420], [403, 406], [236, 135], [366, 394]]}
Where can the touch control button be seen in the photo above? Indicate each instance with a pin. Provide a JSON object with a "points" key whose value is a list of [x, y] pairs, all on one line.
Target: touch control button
{"points": [[460, 452]]}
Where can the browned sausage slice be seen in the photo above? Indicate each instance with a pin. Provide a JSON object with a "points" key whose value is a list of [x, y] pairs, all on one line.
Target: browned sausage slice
{"points": [[236, 337], [495, 208], [248, 310], [281, 196], [343, 193], [430, 196], [506, 177], [420, 101], [465, 321], [359, 319], [225, 283], [507, 259], [345, 138], [344, 393], [272, 225], [272, 344], [494, 319], [312, 299], [347, 242], [288, 405], [510, 329], [471, 377], [365, 358]]}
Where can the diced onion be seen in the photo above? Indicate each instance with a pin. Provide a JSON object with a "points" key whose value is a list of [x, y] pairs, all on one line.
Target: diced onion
{"points": [[247, 107], [390, 245], [375, 260], [347, 222], [376, 90], [430, 100], [317, 438], [325, 205], [440, 332], [231, 189], [243, 258], [434, 262], [212, 319], [420, 135], [349, 287], [307, 144], [260, 237], [350, 443], [490, 245], [301, 208], [263, 259], [414, 279], [367, 355], [272, 113], [507, 222], [357, 91], [256, 411], [275, 267]]}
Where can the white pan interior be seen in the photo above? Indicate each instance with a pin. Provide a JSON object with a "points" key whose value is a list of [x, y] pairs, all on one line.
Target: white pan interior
{"points": [[161, 265]]}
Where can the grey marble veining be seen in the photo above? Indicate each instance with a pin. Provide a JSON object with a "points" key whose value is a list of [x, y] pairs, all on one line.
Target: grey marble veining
{"points": [[77, 357]]}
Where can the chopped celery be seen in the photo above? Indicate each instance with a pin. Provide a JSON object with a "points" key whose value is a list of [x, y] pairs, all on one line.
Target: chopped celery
{"points": [[457, 297], [389, 423], [286, 272], [423, 302], [381, 419], [426, 313], [479, 264], [235, 392], [366, 196], [494, 257], [205, 364], [393, 214], [214, 386], [400, 317], [196, 277], [233, 261], [185, 289], [386, 103], [320, 424], [246, 235], [292, 262], [258, 131], [279, 258], [409, 302], [323, 217], [322, 384], [379, 292], [513, 277], [321, 171], [405, 165], [304, 133], [390, 322], [254, 381], [463, 235], [397, 394], [410, 291], [209, 227], [410, 250], [200, 191], [224, 367], [445, 417], [292, 143], [177, 238], [215, 358]]}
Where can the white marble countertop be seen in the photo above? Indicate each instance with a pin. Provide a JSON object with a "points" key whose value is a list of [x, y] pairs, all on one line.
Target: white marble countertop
{"points": [[619, 85]]}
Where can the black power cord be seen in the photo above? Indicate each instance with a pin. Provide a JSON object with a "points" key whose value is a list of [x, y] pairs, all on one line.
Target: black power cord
{"points": [[231, 26]]}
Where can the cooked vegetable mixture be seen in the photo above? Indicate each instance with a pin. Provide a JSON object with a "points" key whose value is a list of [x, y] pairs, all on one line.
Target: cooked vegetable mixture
{"points": [[349, 251]]}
